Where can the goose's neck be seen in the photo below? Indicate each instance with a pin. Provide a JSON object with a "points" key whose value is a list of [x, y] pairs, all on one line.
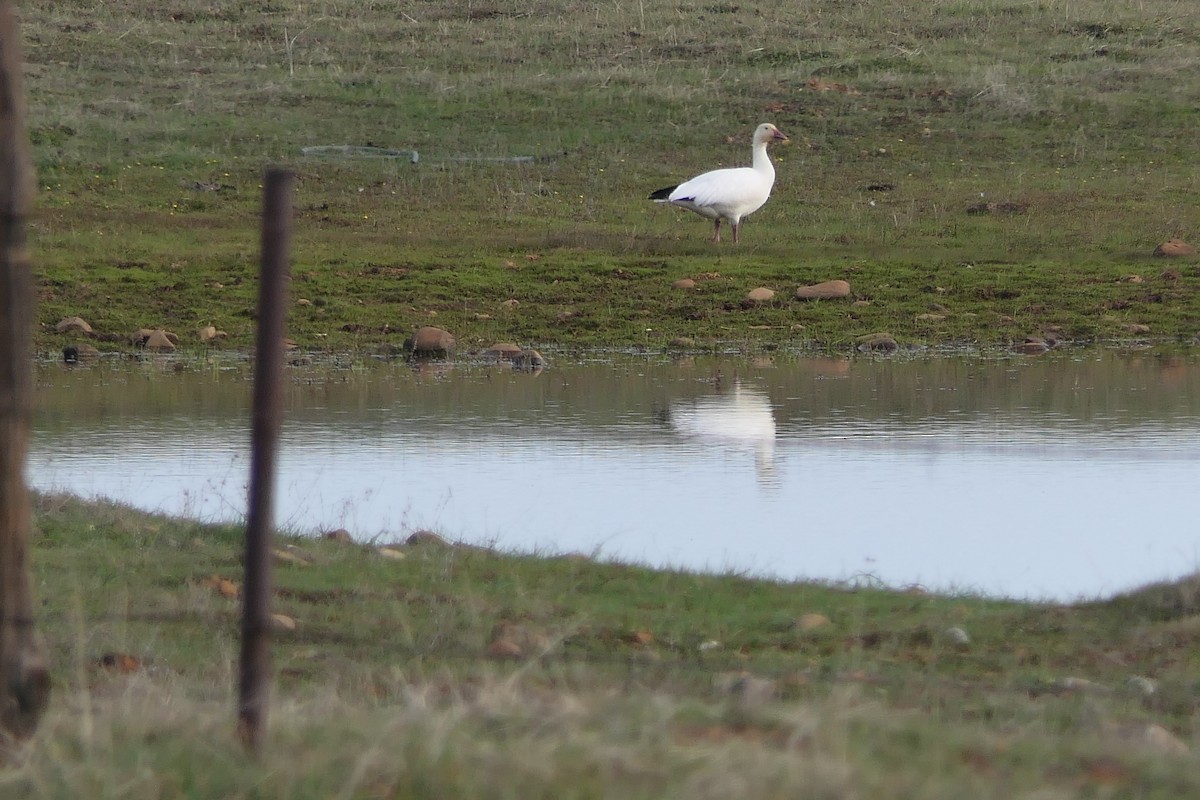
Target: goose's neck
{"points": [[761, 161]]}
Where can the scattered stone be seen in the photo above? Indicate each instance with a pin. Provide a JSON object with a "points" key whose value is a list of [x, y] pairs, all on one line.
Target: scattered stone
{"points": [[682, 343], [1132, 279], [957, 636], [209, 333], [159, 342], [338, 535], [82, 351], [528, 360], [1081, 686], [760, 295], [711, 644], [684, 283], [1137, 328], [70, 324], [826, 290], [511, 303], [290, 556], [391, 553], [503, 350], [304, 302], [502, 649], [880, 342], [428, 341], [811, 621], [282, 622], [1151, 735], [425, 539], [1175, 248], [530, 640], [1032, 346]]}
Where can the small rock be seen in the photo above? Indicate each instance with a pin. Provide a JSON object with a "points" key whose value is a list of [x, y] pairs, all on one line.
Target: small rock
{"points": [[682, 343], [338, 535], [159, 342], [1152, 736], [75, 353], [684, 283], [811, 621], [430, 341], [1137, 328], [391, 553], [1080, 685], [882, 342], [957, 636], [528, 360], [760, 295], [73, 324], [282, 622], [290, 556], [711, 644], [502, 649], [208, 333], [304, 302], [503, 350], [511, 303], [425, 539], [826, 290], [1175, 248]]}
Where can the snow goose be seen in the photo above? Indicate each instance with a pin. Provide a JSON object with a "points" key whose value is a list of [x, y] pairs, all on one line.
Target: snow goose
{"points": [[729, 193]]}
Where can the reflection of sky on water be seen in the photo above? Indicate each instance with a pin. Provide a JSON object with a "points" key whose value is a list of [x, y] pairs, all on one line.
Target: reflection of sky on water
{"points": [[1000, 503]]}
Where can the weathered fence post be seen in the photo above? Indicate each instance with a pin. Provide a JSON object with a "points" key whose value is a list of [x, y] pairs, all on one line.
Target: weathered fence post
{"points": [[24, 675], [255, 678]]}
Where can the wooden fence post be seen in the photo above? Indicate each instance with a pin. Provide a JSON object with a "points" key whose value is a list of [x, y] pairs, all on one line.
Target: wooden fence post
{"points": [[255, 679], [24, 675]]}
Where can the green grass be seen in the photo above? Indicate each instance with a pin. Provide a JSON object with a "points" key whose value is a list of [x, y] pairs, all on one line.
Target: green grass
{"points": [[153, 126], [627, 682]]}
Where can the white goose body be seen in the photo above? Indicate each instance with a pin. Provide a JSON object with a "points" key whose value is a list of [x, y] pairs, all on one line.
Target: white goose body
{"points": [[729, 194]]}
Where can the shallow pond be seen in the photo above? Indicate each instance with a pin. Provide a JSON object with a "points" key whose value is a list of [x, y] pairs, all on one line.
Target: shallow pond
{"points": [[1053, 477]]}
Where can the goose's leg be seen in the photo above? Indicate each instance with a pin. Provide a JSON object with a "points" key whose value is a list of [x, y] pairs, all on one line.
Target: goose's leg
{"points": [[735, 225], [717, 230]]}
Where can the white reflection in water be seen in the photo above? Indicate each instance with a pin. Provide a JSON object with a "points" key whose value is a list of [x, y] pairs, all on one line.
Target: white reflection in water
{"points": [[741, 420], [1000, 496]]}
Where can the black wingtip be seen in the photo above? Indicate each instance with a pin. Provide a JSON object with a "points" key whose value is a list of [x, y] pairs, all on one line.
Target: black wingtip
{"points": [[663, 194]]}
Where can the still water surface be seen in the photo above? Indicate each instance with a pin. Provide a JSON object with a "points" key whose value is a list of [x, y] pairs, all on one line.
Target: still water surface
{"points": [[1049, 478]]}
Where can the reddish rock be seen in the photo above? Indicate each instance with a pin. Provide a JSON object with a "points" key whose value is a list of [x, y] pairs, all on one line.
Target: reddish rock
{"points": [[881, 342], [684, 283], [504, 350], [826, 290], [73, 324], [430, 341], [159, 342], [1175, 248], [760, 295]]}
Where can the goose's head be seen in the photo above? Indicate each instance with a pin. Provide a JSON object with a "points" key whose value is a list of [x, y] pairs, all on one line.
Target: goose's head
{"points": [[767, 133]]}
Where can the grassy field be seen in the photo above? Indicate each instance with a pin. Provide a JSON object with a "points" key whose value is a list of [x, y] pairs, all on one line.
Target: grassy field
{"points": [[437, 672], [1076, 119], [432, 671]]}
